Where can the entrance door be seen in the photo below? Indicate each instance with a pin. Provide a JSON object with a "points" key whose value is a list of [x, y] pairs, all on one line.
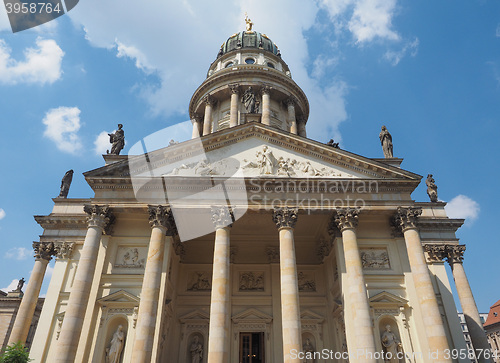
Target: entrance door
{"points": [[251, 347]]}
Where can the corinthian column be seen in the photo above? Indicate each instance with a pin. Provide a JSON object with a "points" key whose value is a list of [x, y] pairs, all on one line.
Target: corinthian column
{"points": [[360, 322], [285, 219], [233, 112], [207, 121], [266, 104], [218, 337], [290, 103], [196, 120], [43, 254], [99, 217], [301, 125], [406, 220], [455, 255], [162, 224]]}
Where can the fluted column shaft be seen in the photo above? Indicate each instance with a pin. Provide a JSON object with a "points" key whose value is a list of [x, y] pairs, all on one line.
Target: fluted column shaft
{"points": [[356, 298], [99, 218], [266, 105], [196, 127], [302, 128], [291, 116], [207, 120], [285, 219], [20, 330], [469, 307], [218, 337], [406, 219], [161, 221], [233, 112]]}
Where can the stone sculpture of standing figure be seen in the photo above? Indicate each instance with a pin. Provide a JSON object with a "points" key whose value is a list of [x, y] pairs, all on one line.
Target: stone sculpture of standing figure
{"points": [[431, 188], [249, 100], [20, 284], [117, 140], [115, 346], [308, 350], [392, 345], [65, 184], [196, 350], [386, 141]]}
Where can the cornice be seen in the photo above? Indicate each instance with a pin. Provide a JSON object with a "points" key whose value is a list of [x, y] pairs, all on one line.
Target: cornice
{"points": [[60, 221], [429, 224]]}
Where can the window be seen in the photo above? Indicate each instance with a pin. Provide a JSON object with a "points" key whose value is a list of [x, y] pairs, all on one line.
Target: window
{"points": [[249, 61], [230, 64], [270, 65]]}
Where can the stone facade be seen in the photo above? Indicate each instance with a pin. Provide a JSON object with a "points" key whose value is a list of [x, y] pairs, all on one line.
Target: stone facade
{"points": [[249, 240]]}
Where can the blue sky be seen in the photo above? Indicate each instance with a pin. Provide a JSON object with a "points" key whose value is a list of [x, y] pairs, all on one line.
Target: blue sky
{"points": [[429, 70]]}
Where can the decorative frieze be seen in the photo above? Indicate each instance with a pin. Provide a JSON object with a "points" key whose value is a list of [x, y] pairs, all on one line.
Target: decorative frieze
{"points": [[285, 217], [199, 281], [375, 258], [127, 257], [306, 281], [273, 254], [222, 216], [407, 218], [251, 281]]}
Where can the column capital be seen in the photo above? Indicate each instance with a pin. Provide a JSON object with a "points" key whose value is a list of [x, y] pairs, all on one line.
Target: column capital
{"points": [[63, 249], [196, 118], [162, 216], [209, 100], [455, 253], [407, 218], [290, 101], [44, 250], [285, 217], [222, 216], [265, 89], [435, 253], [235, 88], [99, 216], [346, 218]]}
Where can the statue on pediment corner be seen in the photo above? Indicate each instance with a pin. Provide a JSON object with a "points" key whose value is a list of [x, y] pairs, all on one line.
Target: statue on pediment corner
{"points": [[386, 141], [431, 188], [117, 140], [65, 184]]}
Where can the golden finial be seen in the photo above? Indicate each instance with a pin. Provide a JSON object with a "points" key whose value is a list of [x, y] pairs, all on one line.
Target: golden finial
{"points": [[248, 22]]}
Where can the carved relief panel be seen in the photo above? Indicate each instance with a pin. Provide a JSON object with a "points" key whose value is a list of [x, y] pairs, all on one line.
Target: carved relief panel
{"points": [[375, 258], [130, 257]]}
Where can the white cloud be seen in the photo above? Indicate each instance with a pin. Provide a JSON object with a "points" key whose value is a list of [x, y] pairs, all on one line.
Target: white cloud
{"points": [[365, 19], [463, 207], [101, 143], [133, 53], [63, 124], [2, 213], [41, 64], [394, 57], [11, 286], [17, 253]]}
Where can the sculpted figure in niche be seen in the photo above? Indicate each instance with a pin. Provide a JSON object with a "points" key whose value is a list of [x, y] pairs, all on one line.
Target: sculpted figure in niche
{"points": [[202, 282], [115, 346], [386, 141], [431, 188], [196, 350], [65, 184], [391, 345], [249, 100], [308, 350], [117, 140]]}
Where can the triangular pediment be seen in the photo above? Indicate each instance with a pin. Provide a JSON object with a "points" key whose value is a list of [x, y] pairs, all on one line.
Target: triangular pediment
{"points": [[195, 315], [119, 297], [252, 315], [308, 315], [250, 150], [386, 298]]}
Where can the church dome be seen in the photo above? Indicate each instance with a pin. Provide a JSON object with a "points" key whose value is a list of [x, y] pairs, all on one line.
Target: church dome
{"points": [[248, 39]]}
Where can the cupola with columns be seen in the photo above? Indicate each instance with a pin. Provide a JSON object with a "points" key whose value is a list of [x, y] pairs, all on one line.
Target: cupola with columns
{"points": [[248, 82]]}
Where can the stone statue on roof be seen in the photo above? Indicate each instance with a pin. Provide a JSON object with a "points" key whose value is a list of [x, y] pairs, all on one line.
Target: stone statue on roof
{"points": [[65, 184], [386, 141], [431, 188], [117, 140], [249, 23]]}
